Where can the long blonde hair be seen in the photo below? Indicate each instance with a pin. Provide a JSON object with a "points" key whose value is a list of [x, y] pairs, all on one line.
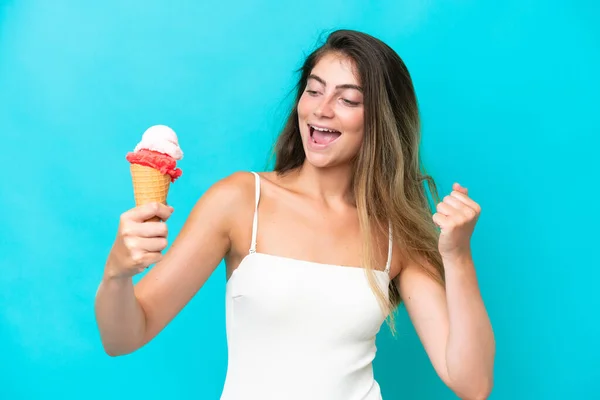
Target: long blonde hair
{"points": [[388, 176]]}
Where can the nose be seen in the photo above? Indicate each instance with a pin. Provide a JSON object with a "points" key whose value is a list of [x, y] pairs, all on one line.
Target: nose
{"points": [[323, 109]]}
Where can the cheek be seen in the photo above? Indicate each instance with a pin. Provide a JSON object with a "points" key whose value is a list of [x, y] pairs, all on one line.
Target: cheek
{"points": [[358, 120], [303, 107], [354, 122], [357, 141]]}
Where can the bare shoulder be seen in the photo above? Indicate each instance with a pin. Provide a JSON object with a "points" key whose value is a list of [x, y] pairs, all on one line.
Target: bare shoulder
{"points": [[227, 196], [233, 188]]}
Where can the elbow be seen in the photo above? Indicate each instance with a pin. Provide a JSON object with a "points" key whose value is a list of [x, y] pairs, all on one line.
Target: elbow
{"points": [[482, 393], [114, 351], [480, 390], [120, 343], [118, 349]]}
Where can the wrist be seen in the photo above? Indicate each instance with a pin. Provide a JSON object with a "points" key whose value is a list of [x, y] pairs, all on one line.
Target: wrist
{"points": [[464, 259], [112, 272], [116, 283]]}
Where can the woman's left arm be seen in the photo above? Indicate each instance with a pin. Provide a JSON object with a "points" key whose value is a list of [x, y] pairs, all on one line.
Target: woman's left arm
{"points": [[452, 322]]}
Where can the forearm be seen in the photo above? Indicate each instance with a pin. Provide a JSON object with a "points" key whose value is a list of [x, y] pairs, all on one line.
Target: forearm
{"points": [[471, 348], [119, 315]]}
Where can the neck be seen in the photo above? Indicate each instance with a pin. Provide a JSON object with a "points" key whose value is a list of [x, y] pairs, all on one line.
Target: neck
{"points": [[327, 184]]}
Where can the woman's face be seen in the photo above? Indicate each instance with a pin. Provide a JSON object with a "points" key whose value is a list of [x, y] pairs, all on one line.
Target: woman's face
{"points": [[331, 112]]}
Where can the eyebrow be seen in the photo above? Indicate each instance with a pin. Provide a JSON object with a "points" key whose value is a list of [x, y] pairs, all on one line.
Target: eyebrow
{"points": [[344, 86]]}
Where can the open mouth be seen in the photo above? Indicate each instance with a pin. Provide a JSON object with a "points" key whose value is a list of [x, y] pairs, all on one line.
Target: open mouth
{"points": [[323, 136]]}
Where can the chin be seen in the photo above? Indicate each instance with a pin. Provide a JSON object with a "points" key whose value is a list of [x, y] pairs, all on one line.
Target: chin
{"points": [[323, 161], [318, 161]]}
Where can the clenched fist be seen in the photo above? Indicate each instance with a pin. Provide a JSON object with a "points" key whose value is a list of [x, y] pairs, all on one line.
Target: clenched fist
{"points": [[140, 240]]}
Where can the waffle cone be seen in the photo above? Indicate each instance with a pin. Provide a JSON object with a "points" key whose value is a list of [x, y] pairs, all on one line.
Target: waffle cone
{"points": [[149, 185]]}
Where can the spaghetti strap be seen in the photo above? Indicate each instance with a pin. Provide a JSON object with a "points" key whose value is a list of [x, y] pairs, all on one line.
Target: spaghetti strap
{"points": [[255, 220], [390, 245]]}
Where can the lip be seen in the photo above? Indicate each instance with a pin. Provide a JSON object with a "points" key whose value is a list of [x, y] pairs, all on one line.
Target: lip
{"points": [[322, 127], [315, 146]]}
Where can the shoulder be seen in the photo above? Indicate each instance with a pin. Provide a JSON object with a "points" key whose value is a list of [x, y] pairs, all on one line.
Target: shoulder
{"points": [[232, 191], [237, 184], [223, 203]]}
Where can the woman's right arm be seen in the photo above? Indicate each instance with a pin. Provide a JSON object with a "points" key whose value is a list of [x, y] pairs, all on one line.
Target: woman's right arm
{"points": [[129, 316]]}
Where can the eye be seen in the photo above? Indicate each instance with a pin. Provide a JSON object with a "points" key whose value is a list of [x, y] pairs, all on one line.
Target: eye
{"points": [[350, 103], [312, 92]]}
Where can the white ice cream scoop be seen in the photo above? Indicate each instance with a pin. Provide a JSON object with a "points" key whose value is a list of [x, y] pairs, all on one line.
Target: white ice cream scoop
{"points": [[161, 138]]}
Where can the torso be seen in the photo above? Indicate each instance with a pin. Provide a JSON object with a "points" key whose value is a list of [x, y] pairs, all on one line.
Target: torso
{"points": [[296, 226], [301, 316]]}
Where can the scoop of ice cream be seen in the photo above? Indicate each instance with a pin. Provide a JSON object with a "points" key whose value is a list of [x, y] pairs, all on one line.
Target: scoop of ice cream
{"points": [[163, 163], [162, 139]]}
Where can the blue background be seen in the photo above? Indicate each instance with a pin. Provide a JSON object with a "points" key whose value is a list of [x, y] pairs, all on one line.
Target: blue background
{"points": [[509, 93]]}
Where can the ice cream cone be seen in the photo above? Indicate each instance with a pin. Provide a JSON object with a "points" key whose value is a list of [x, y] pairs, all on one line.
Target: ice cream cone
{"points": [[149, 185], [153, 165]]}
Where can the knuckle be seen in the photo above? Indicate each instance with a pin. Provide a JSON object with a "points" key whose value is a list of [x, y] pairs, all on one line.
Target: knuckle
{"points": [[137, 257], [130, 242], [123, 219], [163, 230], [126, 230], [150, 259]]}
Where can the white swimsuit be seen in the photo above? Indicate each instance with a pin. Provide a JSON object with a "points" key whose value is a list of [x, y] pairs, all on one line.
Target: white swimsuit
{"points": [[300, 330]]}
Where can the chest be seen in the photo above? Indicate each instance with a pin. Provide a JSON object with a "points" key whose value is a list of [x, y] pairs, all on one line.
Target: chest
{"points": [[290, 295], [296, 229]]}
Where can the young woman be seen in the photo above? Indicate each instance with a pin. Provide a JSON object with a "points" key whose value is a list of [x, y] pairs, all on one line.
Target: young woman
{"points": [[320, 251]]}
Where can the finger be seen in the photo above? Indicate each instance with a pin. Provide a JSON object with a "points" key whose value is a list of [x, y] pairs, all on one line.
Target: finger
{"points": [[456, 186], [152, 258], [445, 209], [150, 229], [458, 207], [466, 200], [440, 220], [146, 211], [152, 245], [456, 210]]}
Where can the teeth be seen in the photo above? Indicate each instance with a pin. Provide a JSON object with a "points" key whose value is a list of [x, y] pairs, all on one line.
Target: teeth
{"points": [[322, 129]]}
